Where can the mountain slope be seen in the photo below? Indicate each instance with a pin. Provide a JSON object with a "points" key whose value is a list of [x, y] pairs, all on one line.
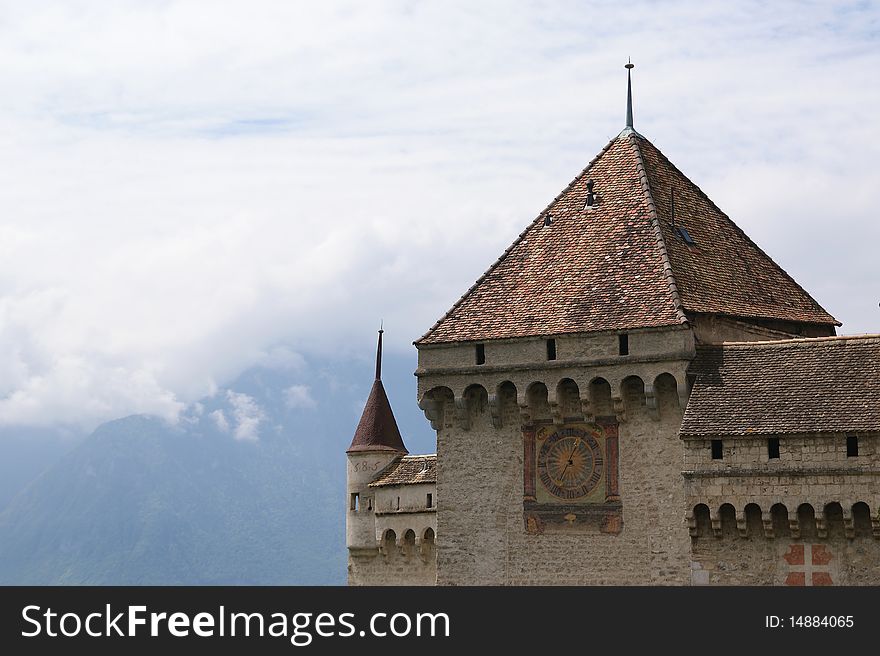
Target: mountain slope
{"points": [[248, 488]]}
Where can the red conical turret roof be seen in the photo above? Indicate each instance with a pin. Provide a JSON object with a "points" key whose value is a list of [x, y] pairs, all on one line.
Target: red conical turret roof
{"points": [[377, 429]]}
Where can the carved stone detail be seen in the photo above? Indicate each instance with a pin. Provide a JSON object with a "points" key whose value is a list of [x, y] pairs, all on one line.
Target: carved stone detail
{"points": [[692, 525], [651, 401], [849, 528], [555, 409], [462, 416], [715, 519], [433, 410], [767, 521], [741, 526], [495, 410], [525, 412], [586, 409]]}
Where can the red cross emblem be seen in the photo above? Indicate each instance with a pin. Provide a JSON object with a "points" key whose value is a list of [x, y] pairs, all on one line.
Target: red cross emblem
{"points": [[808, 565]]}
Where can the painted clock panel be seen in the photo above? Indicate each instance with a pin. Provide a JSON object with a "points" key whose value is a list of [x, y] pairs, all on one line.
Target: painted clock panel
{"points": [[570, 464]]}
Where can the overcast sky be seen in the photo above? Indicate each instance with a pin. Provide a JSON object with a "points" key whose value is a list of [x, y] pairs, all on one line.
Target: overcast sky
{"points": [[191, 188]]}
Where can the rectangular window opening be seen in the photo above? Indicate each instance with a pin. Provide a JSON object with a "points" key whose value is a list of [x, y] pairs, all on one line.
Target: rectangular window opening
{"points": [[398, 503], [551, 349], [623, 344], [773, 447], [717, 452], [852, 446], [481, 353], [354, 501], [430, 501]]}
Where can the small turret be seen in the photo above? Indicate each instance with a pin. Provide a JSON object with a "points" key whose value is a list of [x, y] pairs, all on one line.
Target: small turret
{"points": [[376, 443]]}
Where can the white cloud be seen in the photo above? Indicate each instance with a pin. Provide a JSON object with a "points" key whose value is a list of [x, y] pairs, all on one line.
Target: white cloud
{"points": [[184, 192], [247, 414], [220, 420], [299, 396]]}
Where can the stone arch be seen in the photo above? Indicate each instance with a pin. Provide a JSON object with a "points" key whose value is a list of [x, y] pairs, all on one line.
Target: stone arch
{"points": [[505, 404], [426, 546], [600, 397], [833, 519], [632, 391], [409, 542], [666, 393], [476, 403], [437, 404], [779, 517], [388, 545], [568, 396], [702, 520], [806, 516], [537, 400], [861, 515], [754, 524], [727, 516]]}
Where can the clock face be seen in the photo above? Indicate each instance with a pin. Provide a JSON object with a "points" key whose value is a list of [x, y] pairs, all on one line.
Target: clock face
{"points": [[570, 463]]}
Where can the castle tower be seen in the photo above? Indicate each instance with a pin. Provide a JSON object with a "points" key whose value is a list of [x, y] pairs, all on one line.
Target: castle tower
{"points": [[558, 382], [376, 443], [392, 500]]}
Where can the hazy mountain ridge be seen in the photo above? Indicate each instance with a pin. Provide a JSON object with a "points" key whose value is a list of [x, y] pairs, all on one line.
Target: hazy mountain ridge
{"points": [[141, 501]]}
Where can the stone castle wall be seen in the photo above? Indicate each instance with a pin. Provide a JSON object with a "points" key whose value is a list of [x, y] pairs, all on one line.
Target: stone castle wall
{"points": [[394, 564], [480, 413], [808, 517], [753, 558], [395, 542]]}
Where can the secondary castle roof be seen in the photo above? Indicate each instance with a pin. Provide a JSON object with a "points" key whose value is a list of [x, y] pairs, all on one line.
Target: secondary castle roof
{"points": [[408, 470], [620, 263], [829, 384]]}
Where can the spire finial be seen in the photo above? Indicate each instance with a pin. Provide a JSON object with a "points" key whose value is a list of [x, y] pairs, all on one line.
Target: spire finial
{"points": [[379, 354], [629, 93]]}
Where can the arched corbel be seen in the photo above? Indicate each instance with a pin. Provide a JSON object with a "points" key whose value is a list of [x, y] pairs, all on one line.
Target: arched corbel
{"points": [[433, 410], [794, 526], [587, 406], [821, 525], [682, 395], [741, 526], [849, 528], [525, 412], [462, 417], [691, 519], [553, 402], [767, 521], [651, 401], [715, 520], [617, 402], [495, 410]]}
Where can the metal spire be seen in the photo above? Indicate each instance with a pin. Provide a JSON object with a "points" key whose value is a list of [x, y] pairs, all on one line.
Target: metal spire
{"points": [[629, 94], [379, 354]]}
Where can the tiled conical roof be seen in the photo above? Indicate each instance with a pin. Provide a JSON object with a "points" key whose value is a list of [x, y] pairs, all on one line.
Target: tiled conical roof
{"points": [[377, 429], [620, 264]]}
